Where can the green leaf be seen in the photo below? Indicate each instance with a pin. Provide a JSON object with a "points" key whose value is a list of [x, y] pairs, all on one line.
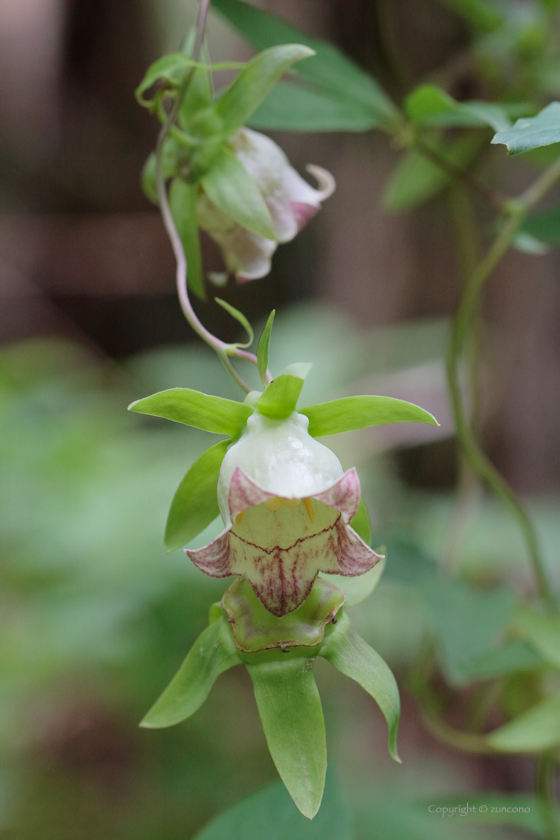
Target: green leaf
{"points": [[416, 179], [535, 730], [269, 814], [350, 413], [542, 632], [360, 522], [351, 655], [262, 350], [170, 68], [545, 226], [255, 628], [255, 82], [279, 399], [357, 589], [195, 504], [193, 408], [213, 653], [332, 71], [293, 107], [292, 718], [429, 105], [235, 193], [468, 624], [239, 316], [182, 200], [532, 132], [514, 657]]}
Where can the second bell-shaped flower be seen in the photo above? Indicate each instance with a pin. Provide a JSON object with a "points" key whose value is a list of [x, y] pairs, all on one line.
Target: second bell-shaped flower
{"points": [[286, 503]]}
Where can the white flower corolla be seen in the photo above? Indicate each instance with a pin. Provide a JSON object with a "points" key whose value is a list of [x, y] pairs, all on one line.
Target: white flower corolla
{"points": [[292, 202], [286, 504]]}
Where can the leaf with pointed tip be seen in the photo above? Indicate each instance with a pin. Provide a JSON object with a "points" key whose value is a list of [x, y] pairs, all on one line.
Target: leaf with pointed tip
{"points": [[330, 69], [228, 184], [350, 413], [535, 730], [429, 105], [195, 503], [240, 317], [262, 350], [213, 653], [193, 408], [182, 200], [351, 655], [290, 710], [295, 107], [279, 399], [532, 132], [255, 82]]}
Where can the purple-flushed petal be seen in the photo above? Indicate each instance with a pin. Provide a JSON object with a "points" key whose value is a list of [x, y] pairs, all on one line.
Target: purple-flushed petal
{"points": [[344, 494], [244, 493], [214, 559], [353, 556]]}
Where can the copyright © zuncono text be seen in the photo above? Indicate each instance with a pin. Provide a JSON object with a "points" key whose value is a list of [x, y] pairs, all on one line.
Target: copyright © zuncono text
{"points": [[464, 810]]}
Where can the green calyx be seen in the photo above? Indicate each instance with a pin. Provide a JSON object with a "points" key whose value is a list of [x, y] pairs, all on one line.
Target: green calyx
{"points": [[254, 628], [279, 654]]}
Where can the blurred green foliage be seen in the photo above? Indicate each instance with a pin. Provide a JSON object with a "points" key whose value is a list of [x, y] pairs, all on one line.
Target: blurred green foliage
{"points": [[96, 617]]}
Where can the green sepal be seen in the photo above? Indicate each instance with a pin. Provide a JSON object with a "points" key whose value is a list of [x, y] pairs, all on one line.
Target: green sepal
{"points": [[193, 408], [195, 503], [533, 731], [262, 350], [199, 94], [357, 589], [290, 710], [171, 68], [530, 133], [228, 184], [240, 317], [351, 413], [182, 200], [213, 653], [351, 655], [254, 83], [429, 105], [255, 628], [280, 398]]}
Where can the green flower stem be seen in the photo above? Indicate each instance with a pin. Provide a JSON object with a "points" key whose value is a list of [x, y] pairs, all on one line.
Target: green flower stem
{"points": [[544, 790], [223, 349], [517, 211]]}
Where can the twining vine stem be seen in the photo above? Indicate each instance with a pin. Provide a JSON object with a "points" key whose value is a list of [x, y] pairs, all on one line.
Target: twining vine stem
{"points": [[222, 348], [517, 210]]}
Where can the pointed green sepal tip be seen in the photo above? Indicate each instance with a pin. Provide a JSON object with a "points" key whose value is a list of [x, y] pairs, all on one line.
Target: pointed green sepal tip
{"points": [[351, 413], [213, 653], [279, 399], [193, 408], [352, 656], [292, 717]]}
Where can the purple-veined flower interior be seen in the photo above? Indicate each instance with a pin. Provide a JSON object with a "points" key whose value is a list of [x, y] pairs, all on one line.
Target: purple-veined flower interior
{"points": [[286, 504]]}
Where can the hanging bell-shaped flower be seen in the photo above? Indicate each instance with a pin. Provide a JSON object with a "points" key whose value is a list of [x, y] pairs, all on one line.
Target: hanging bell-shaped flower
{"points": [[286, 503]]}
